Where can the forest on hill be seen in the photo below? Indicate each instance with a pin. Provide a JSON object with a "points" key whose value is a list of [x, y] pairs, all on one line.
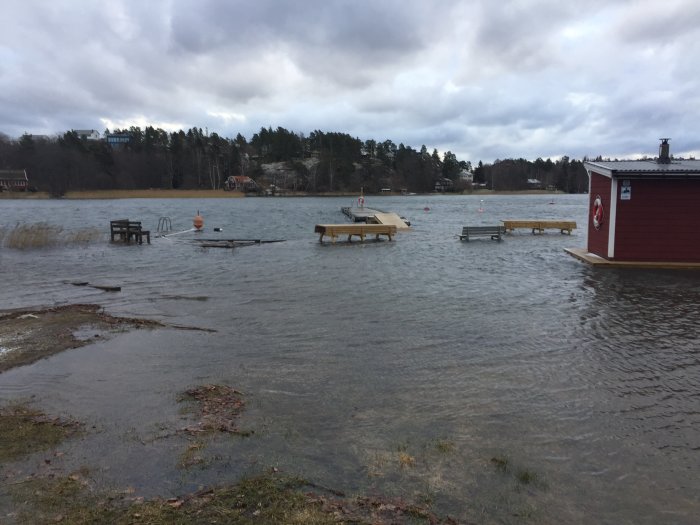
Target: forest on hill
{"points": [[321, 162]]}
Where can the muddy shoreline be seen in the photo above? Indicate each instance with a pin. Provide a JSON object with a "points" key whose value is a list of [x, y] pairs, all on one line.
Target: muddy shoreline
{"points": [[30, 334]]}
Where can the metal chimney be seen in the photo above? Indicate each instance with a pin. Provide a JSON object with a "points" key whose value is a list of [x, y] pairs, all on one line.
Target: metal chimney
{"points": [[664, 156]]}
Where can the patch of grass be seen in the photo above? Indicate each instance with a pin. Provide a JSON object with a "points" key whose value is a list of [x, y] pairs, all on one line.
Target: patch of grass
{"points": [[526, 477], [444, 446], [523, 476], [500, 462], [265, 499], [43, 235], [377, 465], [217, 408], [406, 460], [192, 456], [24, 430]]}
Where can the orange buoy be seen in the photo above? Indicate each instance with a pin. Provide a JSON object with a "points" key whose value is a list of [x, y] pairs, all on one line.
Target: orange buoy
{"points": [[198, 221]]}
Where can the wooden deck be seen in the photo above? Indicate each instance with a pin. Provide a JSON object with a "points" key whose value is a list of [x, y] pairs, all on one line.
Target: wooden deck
{"points": [[357, 229], [594, 260], [538, 226]]}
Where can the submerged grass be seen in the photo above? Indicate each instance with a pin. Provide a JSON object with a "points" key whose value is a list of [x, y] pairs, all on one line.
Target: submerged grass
{"points": [[524, 476], [217, 408], [255, 500], [44, 235], [24, 430], [267, 499]]}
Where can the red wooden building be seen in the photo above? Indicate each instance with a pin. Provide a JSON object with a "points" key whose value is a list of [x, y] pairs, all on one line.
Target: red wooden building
{"points": [[14, 180], [645, 210]]}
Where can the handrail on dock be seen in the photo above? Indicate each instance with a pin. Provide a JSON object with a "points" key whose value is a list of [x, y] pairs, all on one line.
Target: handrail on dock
{"points": [[164, 225]]}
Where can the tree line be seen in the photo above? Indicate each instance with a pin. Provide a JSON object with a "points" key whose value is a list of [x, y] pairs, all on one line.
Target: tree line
{"points": [[319, 162]]}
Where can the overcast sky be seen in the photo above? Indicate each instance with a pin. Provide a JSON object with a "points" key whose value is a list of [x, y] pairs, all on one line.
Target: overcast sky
{"points": [[484, 79]]}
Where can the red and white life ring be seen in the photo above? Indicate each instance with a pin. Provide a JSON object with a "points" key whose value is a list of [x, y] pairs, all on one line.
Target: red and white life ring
{"points": [[598, 213], [361, 202]]}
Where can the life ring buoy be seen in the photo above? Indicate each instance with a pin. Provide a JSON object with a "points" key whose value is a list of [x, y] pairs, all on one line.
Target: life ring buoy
{"points": [[597, 212], [361, 202]]}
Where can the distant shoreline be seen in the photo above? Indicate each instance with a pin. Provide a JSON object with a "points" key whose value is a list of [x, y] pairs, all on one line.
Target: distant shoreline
{"points": [[221, 194]]}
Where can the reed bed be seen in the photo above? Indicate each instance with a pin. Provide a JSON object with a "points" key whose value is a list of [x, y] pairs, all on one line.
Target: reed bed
{"points": [[44, 235]]}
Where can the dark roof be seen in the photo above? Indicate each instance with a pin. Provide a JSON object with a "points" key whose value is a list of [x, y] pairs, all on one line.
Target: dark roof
{"points": [[645, 168], [13, 175]]}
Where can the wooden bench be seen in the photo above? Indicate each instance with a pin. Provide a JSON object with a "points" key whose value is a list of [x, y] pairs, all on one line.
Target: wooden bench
{"points": [[360, 230], [127, 230], [540, 226], [494, 232]]}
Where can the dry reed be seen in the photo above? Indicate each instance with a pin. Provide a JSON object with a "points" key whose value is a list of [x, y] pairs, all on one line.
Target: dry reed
{"points": [[43, 235]]}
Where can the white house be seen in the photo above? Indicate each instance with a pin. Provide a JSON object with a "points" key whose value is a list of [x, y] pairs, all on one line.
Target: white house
{"points": [[87, 134], [466, 176]]}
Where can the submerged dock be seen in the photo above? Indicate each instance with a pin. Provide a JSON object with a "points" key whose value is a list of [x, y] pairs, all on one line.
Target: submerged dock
{"points": [[360, 230], [373, 216], [538, 226]]}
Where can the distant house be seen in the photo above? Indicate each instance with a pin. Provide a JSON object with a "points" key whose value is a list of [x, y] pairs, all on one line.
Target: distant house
{"points": [[443, 185], [534, 184], [240, 183], [466, 176], [13, 180], [118, 139], [87, 134]]}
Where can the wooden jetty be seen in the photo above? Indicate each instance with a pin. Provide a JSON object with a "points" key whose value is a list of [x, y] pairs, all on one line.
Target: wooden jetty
{"points": [[538, 226], [360, 230], [127, 230]]}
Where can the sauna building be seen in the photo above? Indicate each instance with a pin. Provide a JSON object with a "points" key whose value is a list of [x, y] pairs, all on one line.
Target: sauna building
{"points": [[645, 210]]}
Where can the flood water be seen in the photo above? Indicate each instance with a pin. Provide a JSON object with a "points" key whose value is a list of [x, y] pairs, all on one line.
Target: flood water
{"points": [[349, 355]]}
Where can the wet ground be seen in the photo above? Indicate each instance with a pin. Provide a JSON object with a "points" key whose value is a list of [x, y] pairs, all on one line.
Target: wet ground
{"points": [[27, 335]]}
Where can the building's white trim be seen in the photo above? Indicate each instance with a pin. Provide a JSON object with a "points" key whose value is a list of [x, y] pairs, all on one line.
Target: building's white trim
{"points": [[603, 171], [612, 218]]}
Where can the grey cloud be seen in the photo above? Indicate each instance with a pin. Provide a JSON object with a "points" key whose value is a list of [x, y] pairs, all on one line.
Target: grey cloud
{"points": [[486, 79]]}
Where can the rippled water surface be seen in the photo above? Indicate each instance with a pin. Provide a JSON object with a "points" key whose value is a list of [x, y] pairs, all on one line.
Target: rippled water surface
{"points": [[585, 380]]}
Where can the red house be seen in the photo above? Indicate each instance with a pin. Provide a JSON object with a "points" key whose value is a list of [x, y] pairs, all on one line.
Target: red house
{"points": [[645, 210], [14, 180]]}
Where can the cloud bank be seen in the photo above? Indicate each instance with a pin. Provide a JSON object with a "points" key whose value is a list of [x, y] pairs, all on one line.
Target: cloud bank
{"points": [[484, 80]]}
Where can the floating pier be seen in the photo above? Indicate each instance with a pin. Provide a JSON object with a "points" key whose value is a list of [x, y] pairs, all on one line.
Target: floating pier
{"points": [[538, 226], [360, 230]]}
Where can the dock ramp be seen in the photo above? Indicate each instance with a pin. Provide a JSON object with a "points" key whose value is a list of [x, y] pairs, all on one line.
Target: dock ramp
{"points": [[391, 219]]}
